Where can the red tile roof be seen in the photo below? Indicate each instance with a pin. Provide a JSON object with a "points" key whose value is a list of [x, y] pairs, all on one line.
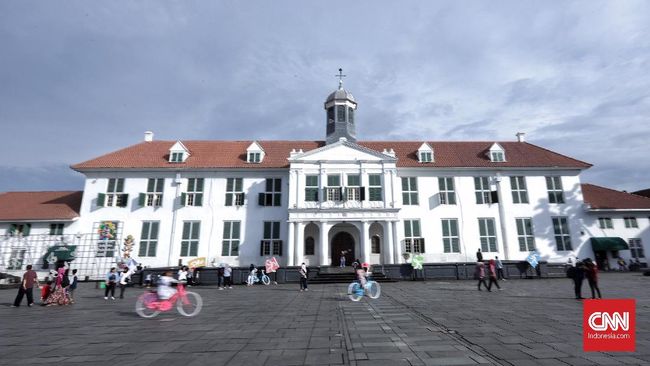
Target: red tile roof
{"points": [[59, 205], [232, 154], [604, 198]]}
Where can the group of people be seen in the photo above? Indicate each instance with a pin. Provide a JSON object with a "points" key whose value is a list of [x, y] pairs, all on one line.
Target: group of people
{"points": [[494, 272], [579, 271], [58, 289], [114, 279]]}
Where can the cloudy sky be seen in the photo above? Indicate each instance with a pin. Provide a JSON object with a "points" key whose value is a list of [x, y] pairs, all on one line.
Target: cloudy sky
{"points": [[80, 79]]}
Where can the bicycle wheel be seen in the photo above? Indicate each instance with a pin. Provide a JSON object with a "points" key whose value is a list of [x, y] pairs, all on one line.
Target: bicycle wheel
{"points": [[374, 289], [193, 305], [355, 293], [141, 306], [266, 280]]}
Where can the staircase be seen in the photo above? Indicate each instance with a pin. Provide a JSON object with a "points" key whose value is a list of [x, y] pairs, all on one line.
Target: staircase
{"points": [[345, 275]]}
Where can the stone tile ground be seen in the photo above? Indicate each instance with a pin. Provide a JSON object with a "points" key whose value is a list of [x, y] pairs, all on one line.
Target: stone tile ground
{"points": [[530, 322]]}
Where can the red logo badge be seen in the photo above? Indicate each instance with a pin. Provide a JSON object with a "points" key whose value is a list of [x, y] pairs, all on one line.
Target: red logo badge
{"points": [[608, 325]]}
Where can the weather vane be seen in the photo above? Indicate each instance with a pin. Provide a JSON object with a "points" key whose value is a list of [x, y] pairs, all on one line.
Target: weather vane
{"points": [[340, 76]]}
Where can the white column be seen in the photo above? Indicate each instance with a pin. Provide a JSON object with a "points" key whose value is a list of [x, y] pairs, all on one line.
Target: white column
{"points": [[300, 243], [365, 242], [396, 246], [324, 243], [291, 236], [389, 249], [502, 219]]}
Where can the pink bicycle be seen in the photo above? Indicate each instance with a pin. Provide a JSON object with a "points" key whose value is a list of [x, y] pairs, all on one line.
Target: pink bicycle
{"points": [[187, 303]]}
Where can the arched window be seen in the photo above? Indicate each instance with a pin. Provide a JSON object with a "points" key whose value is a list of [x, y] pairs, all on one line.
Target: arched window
{"points": [[309, 246], [375, 244]]}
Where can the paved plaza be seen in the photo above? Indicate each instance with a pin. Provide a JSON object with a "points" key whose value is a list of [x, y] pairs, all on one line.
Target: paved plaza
{"points": [[530, 322]]}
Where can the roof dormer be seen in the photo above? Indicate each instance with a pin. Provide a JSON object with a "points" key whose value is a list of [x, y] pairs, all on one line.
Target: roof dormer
{"points": [[178, 153], [425, 153], [496, 153], [255, 153]]}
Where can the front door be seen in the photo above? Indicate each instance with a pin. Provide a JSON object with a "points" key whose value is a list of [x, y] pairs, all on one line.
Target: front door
{"points": [[342, 244]]}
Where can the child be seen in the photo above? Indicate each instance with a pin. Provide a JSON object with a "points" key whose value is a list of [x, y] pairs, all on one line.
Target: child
{"points": [[73, 285], [147, 280], [165, 289], [251, 277], [45, 290]]}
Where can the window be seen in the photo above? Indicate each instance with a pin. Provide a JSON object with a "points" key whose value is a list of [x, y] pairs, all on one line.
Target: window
{"points": [[375, 244], [447, 193], [487, 235], [254, 157], [482, 187], [330, 114], [450, 238], [271, 244], [525, 234], [340, 113], [190, 239], [374, 187], [311, 188], [605, 223], [630, 222], [413, 242], [234, 192], [230, 238], [19, 229], [554, 186], [334, 191], [426, 156], [409, 191], [353, 190], [194, 194], [114, 196], [519, 191], [562, 237], [310, 246], [177, 157], [154, 194], [272, 196], [350, 115], [148, 239], [636, 249], [497, 156], [56, 229]]}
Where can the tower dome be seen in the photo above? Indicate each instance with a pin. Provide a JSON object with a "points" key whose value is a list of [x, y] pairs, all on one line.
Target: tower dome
{"points": [[340, 106]]}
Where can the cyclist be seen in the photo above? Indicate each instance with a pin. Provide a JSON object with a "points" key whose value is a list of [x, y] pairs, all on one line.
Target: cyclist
{"points": [[165, 289], [362, 274], [251, 276]]}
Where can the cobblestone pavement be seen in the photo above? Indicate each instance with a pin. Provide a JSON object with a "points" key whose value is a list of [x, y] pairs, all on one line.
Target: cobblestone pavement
{"points": [[530, 322]]}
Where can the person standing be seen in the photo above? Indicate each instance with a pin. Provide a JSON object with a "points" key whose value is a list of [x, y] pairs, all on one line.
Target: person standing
{"points": [[578, 277], [220, 279], [182, 274], [492, 274], [342, 260], [591, 272], [303, 277], [111, 279], [124, 281], [500, 275], [73, 285], [480, 274], [227, 276], [27, 287], [479, 255]]}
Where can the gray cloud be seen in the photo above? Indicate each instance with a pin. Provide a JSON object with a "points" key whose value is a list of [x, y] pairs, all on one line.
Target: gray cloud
{"points": [[79, 79]]}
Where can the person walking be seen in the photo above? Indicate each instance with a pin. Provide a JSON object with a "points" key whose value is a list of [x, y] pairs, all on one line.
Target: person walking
{"points": [[578, 277], [74, 280], [303, 277], [342, 260], [220, 279], [227, 276], [27, 287], [492, 274], [111, 279], [124, 281], [500, 275], [591, 272], [58, 296], [480, 274], [479, 255]]}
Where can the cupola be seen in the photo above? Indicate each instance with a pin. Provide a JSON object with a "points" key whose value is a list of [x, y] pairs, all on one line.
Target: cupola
{"points": [[340, 108]]}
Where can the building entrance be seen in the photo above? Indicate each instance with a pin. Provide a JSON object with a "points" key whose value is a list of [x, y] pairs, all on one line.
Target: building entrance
{"points": [[342, 243]]}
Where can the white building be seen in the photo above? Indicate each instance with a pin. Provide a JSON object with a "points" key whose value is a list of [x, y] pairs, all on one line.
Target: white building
{"points": [[239, 202]]}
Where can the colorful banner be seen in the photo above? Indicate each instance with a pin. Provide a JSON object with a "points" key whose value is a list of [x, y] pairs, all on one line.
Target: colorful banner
{"points": [[271, 265], [533, 259], [197, 262]]}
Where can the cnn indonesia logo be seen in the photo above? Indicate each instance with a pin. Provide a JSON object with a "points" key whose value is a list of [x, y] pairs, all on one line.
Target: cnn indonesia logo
{"points": [[608, 325]]}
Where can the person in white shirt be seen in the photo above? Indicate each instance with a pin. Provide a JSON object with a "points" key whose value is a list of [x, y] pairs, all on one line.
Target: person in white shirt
{"points": [[182, 274], [227, 276], [124, 280], [165, 289]]}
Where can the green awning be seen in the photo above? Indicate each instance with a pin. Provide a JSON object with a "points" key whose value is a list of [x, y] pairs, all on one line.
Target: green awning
{"points": [[610, 243]]}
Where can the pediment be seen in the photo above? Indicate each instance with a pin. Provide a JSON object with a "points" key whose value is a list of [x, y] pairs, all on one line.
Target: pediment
{"points": [[178, 147], [342, 151]]}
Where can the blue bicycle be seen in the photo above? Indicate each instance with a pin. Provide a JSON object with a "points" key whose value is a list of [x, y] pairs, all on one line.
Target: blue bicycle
{"points": [[356, 291]]}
